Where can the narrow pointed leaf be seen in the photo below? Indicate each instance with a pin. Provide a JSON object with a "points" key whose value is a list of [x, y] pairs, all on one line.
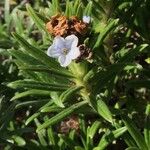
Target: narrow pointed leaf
{"points": [[30, 92], [69, 93], [93, 129], [104, 111], [51, 136], [37, 85], [40, 68], [111, 25], [56, 99], [37, 20], [41, 134], [19, 140], [147, 126], [30, 103], [66, 95], [88, 9], [51, 109], [31, 118], [108, 137], [134, 132], [68, 11], [130, 55], [66, 112], [24, 58], [55, 4]]}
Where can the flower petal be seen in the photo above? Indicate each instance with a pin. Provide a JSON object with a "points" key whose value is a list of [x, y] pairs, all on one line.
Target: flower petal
{"points": [[59, 43], [86, 19], [52, 52], [64, 60], [74, 53], [71, 41], [55, 49]]}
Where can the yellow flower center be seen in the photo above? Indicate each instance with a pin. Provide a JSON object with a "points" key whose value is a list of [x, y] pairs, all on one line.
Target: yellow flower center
{"points": [[65, 51]]}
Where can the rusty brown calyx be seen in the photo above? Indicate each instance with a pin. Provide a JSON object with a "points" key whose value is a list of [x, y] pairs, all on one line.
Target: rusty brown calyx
{"points": [[69, 124], [62, 26], [85, 53]]}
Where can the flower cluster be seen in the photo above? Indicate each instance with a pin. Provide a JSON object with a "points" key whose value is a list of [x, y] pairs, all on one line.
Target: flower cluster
{"points": [[68, 124], [66, 45], [65, 49], [62, 26]]}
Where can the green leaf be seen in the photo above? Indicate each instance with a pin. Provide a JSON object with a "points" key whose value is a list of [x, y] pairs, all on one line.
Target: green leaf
{"points": [[36, 53], [109, 136], [31, 118], [89, 75], [51, 109], [41, 134], [55, 4], [66, 112], [70, 143], [56, 99], [134, 132], [30, 92], [66, 95], [88, 9], [40, 24], [40, 68], [68, 11], [19, 140], [18, 19], [6, 44], [47, 105], [93, 129], [147, 126], [104, 111], [76, 5], [7, 11], [37, 85], [6, 117], [30, 103], [131, 54], [129, 140], [147, 60], [110, 26], [51, 136], [98, 6], [79, 12], [24, 58]]}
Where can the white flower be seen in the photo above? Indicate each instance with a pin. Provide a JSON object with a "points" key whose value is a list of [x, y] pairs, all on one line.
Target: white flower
{"points": [[86, 19], [65, 49]]}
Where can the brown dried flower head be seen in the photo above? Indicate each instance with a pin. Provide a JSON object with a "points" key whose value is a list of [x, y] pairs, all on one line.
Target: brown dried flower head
{"points": [[70, 123], [57, 25], [62, 26], [85, 53]]}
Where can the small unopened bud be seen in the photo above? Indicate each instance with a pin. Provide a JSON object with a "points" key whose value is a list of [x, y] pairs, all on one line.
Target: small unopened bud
{"points": [[86, 19]]}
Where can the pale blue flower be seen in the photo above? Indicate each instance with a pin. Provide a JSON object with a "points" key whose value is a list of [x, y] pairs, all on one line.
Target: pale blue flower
{"points": [[65, 49], [86, 19]]}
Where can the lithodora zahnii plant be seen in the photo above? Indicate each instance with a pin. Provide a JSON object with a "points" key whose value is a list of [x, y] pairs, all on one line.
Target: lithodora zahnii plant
{"points": [[60, 75], [67, 46], [74, 68]]}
